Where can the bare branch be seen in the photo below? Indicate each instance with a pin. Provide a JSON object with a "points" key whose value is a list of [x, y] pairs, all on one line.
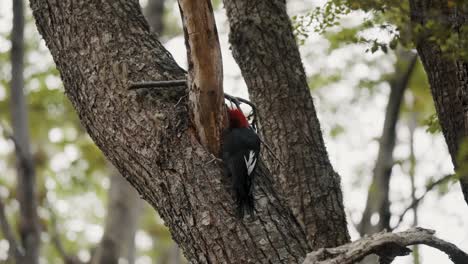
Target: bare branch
{"points": [[67, 258], [15, 251], [387, 245], [418, 200]]}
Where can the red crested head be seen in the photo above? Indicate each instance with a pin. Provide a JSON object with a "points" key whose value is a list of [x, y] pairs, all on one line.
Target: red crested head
{"points": [[237, 119]]}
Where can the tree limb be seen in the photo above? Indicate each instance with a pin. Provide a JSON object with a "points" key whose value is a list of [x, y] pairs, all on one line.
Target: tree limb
{"points": [[387, 245]]}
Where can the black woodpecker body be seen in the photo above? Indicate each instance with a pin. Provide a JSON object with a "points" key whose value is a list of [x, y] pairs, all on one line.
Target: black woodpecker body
{"points": [[241, 148]]}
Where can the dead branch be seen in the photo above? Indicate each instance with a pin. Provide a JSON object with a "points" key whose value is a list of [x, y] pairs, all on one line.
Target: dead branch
{"points": [[205, 73], [386, 245], [158, 84]]}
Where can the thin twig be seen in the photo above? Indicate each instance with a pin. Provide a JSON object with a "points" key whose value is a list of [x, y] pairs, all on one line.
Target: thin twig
{"points": [[418, 200], [67, 258], [271, 152], [183, 83], [157, 84], [14, 251], [180, 100]]}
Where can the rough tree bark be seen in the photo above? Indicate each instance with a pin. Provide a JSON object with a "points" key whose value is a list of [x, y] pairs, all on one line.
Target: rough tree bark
{"points": [[125, 205], [26, 186], [447, 74], [265, 49], [99, 47], [378, 193]]}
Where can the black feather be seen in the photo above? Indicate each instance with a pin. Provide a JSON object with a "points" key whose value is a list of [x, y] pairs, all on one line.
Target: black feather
{"points": [[237, 145]]}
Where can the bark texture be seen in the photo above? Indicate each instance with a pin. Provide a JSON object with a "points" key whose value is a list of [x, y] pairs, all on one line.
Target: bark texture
{"points": [[447, 74], [26, 186], [378, 195], [265, 49], [124, 204], [101, 46]]}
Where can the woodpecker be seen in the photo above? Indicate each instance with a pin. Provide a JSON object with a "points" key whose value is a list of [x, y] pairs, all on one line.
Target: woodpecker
{"points": [[241, 148]]}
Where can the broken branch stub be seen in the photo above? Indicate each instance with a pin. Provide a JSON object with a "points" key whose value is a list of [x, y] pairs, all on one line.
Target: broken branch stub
{"points": [[205, 78]]}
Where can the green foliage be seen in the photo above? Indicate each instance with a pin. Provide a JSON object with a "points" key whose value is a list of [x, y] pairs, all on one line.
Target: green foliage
{"points": [[320, 80], [321, 18], [336, 131], [390, 16], [432, 124]]}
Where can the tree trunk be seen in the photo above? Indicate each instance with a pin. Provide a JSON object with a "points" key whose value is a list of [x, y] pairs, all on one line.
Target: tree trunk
{"points": [[265, 49], [125, 205], [378, 195], [447, 73], [26, 187], [412, 125], [154, 12], [99, 47]]}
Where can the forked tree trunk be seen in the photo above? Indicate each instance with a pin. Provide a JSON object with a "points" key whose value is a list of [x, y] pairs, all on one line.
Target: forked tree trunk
{"points": [[99, 47]]}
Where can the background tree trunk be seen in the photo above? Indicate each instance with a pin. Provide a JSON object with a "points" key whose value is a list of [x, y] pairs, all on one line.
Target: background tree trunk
{"points": [[154, 12], [378, 195], [378, 200], [123, 212], [448, 75], [147, 136], [26, 188], [265, 49]]}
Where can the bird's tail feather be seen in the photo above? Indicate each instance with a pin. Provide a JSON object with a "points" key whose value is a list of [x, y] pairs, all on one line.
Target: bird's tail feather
{"points": [[245, 204]]}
